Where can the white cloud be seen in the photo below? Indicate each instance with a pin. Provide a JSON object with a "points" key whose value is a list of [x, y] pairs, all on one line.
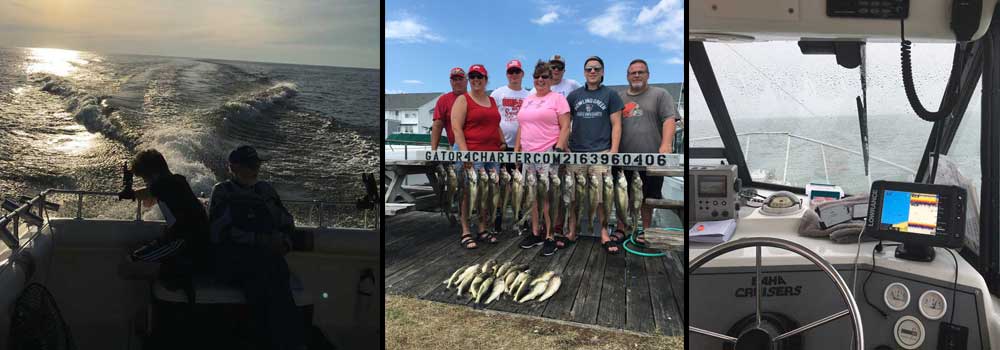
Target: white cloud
{"points": [[547, 18], [394, 92], [675, 60], [409, 30], [662, 24], [412, 82]]}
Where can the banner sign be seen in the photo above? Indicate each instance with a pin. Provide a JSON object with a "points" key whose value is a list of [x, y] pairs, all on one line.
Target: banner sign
{"points": [[617, 159]]}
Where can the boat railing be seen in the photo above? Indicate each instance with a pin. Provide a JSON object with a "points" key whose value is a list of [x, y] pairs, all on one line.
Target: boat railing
{"points": [[788, 142], [317, 211]]}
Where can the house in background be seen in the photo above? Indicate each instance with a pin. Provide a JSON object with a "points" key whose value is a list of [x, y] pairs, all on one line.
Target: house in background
{"points": [[415, 112]]}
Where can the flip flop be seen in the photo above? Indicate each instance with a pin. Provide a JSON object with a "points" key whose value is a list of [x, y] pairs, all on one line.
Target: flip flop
{"points": [[607, 247], [565, 241], [488, 237]]}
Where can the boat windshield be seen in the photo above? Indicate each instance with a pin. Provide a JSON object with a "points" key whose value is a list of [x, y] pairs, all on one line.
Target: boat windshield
{"points": [[797, 121]]}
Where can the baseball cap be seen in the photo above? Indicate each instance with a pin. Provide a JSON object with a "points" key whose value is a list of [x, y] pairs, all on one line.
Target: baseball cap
{"points": [[457, 71], [244, 155], [479, 69], [557, 58], [593, 58], [514, 64]]}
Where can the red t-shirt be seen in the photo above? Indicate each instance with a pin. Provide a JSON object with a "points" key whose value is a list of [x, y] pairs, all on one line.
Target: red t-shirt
{"points": [[442, 112], [482, 126]]}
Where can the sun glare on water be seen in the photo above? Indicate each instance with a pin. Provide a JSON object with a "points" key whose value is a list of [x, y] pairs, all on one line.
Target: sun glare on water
{"points": [[55, 61]]}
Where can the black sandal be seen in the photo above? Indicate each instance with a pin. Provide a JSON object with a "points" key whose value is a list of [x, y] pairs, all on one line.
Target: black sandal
{"points": [[607, 247], [565, 241], [488, 237], [466, 240], [615, 237]]}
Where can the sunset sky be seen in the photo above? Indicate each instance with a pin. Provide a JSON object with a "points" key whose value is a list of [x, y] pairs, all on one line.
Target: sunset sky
{"points": [[334, 33]]}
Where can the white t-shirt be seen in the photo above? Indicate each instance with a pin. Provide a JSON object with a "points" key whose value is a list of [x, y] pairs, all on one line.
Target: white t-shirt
{"points": [[509, 103], [565, 86]]}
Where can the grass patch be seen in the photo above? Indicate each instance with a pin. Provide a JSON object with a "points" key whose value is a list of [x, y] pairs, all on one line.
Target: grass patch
{"points": [[418, 324]]}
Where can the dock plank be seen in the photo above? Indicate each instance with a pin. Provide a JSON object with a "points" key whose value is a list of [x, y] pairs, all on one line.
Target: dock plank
{"points": [[556, 263], [675, 269], [638, 306], [662, 299], [588, 296], [611, 312], [560, 306]]}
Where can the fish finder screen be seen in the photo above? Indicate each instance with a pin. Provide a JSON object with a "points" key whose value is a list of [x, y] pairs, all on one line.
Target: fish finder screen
{"points": [[910, 212], [712, 186]]}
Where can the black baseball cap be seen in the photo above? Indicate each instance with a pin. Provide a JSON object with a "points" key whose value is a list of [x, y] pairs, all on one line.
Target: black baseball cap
{"points": [[245, 155]]}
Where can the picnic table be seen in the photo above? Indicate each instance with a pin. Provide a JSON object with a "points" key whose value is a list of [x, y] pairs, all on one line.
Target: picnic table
{"points": [[396, 171]]}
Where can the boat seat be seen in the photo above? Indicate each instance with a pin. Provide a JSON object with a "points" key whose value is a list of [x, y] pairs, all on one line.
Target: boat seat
{"points": [[208, 290]]}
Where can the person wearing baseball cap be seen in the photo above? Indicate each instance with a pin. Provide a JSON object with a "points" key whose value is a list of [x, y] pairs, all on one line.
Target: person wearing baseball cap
{"points": [[509, 98], [442, 108], [475, 119], [250, 234], [559, 84], [596, 113]]}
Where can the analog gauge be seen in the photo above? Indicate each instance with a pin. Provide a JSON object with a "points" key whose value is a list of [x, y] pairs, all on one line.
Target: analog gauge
{"points": [[897, 296], [909, 332], [933, 305]]}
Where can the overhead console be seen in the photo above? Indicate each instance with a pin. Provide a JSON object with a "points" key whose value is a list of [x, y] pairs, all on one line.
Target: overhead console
{"points": [[869, 20]]}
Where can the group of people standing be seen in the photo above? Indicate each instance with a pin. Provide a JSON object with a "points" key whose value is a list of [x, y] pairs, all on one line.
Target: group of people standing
{"points": [[558, 115]]}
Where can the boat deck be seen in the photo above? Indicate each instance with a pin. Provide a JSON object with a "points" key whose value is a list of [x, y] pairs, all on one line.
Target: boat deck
{"points": [[622, 291]]}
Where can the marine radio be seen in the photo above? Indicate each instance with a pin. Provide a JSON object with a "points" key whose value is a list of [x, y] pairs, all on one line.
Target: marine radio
{"points": [[714, 191]]}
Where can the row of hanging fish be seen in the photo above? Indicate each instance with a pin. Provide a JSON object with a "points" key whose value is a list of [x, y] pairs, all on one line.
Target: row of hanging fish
{"points": [[490, 281], [487, 191]]}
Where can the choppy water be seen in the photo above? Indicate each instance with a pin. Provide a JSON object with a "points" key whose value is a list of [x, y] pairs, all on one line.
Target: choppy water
{"points": [[69, 119]]}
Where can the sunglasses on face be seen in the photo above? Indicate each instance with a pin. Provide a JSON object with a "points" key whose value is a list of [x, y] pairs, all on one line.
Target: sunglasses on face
{"points": [[638, 72], [593, 69], [515, 71], [477, 76], [457, 78], [541, 77], [558, 67]]}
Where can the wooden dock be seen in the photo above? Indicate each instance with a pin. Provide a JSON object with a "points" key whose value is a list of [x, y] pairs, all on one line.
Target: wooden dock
{"points": [[623, 291]]}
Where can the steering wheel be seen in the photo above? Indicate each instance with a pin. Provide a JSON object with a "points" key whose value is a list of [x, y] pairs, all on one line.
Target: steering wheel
{"points": [[759, 338]]}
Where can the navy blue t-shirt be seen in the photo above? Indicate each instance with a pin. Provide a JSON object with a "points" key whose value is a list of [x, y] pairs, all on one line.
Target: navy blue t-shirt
{"points": [[591, 116]]}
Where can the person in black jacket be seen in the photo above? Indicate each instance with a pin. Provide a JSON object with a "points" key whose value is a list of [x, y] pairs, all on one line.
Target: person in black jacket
{"points": [[250, 230]]}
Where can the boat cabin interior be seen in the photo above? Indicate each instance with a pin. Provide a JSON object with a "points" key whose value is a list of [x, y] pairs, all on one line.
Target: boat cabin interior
{"points": [[61, 287], [822, 254]]}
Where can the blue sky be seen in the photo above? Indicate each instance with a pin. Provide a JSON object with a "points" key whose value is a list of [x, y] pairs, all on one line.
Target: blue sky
{"points": [[330, 32], [425, 39]]}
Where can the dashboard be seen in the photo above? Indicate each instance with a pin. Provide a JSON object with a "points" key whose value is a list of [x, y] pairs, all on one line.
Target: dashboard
{"points": [[914, 307]]}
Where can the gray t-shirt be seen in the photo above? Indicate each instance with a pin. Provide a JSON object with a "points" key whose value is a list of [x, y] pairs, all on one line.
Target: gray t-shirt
{"points": [[642, 120], [591, 117]]}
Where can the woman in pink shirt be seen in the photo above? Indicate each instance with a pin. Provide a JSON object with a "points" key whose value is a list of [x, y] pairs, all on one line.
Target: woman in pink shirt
{"points": [[543, 127]]}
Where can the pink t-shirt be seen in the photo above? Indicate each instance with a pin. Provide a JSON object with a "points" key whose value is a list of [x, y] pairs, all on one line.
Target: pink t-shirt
{"points": [[539, 121]]}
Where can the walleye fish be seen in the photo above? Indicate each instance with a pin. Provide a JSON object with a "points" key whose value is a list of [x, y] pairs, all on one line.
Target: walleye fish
{"points": [[609, 195], [472, 185], [476, 282], [637, 198], [465, 283], [483, 288], [522, 287], [555, 195], [495, 194], [521, 277], [498, 288], [595, 198], [508, 279], [453, 189], [487, 266], [543, 190], [484, 190], [543, 278], [517, 196], [536, 290], [454, 277], [569, 194], [551, 288], [531, 184], [581, 199], [441, 190], [621, 197], [505, 185]]}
